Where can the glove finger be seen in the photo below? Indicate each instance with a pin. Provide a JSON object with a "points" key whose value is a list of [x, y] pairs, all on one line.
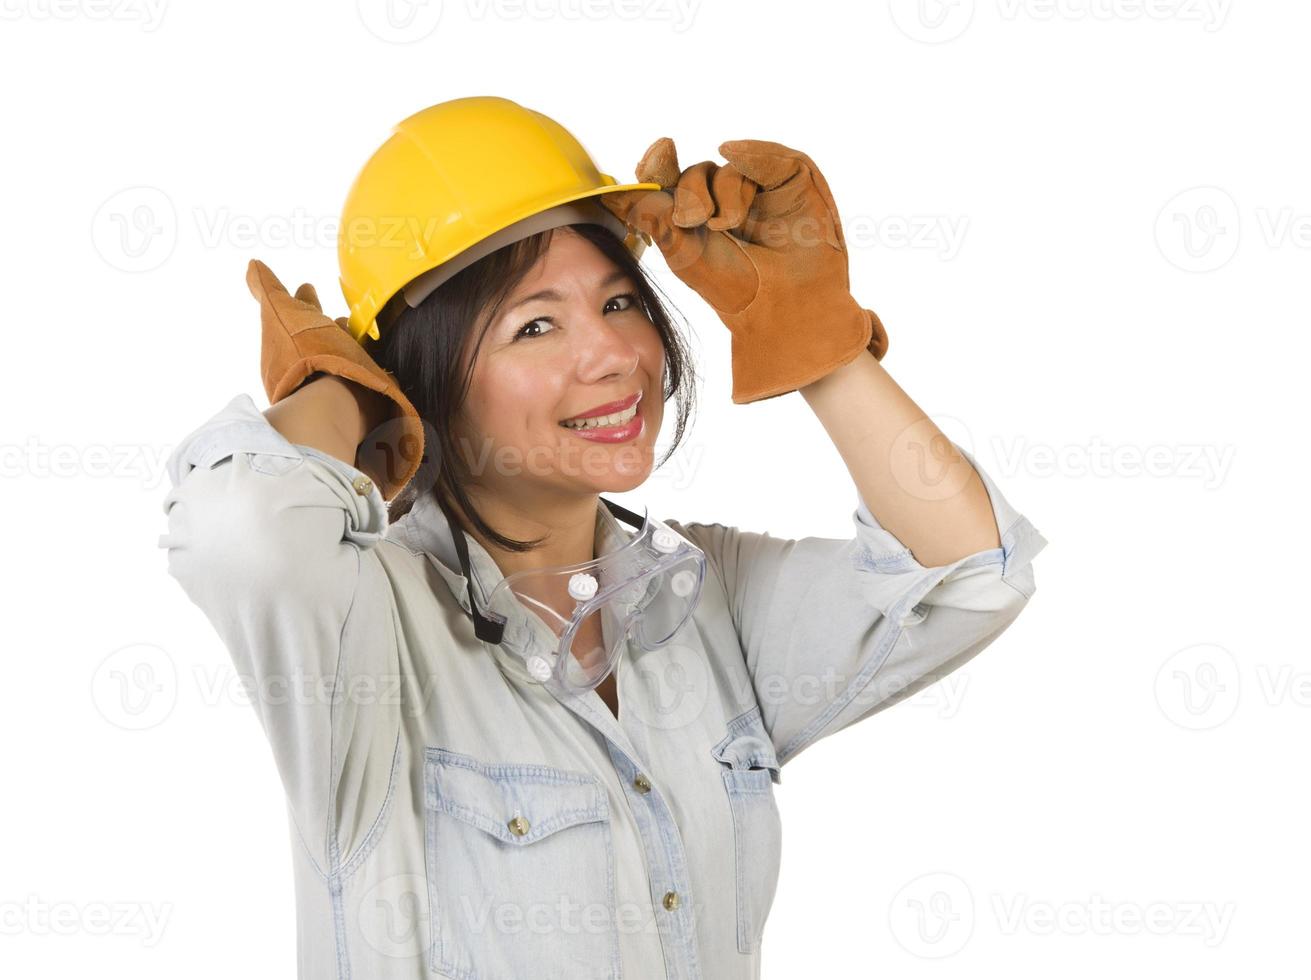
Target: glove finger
{"points": [[262, 282], [308, 294], [622, 203], [726, 277], [693, 202], [733, 193], [659, 164], [764, 161], [789, 182], [651, 212], [709, 262]]}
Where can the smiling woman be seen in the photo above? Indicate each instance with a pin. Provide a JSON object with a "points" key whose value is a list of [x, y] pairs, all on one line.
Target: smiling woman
{"points": [[556, 757], [530, 350]]}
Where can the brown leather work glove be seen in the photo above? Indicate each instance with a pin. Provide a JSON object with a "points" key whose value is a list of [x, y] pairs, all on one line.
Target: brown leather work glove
{"points": [[299, 339], [760, 240]]}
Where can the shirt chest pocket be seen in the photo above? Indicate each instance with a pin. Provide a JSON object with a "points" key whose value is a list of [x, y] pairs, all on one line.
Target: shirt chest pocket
{"points": [[520, 869], [749, 770]]}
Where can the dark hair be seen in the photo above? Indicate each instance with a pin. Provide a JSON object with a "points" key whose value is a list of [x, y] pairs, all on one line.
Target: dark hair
{"points": [[424, 349]]}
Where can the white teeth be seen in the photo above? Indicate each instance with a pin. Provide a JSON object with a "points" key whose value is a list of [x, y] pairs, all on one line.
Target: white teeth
{"points": [[618, 418]]}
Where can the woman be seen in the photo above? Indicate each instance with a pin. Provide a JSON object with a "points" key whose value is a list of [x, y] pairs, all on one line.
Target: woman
{"points": [[466, 801]]}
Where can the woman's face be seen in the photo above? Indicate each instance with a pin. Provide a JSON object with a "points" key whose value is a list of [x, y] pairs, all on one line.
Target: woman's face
{"points": [[548, 358]]}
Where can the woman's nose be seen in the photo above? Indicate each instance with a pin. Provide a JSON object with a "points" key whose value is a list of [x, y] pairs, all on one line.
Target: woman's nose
{"points": [[604, 349]]}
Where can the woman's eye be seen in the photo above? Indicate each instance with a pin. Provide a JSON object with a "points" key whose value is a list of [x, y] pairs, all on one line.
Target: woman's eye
{"points": [[540, 319], [630, 297]]}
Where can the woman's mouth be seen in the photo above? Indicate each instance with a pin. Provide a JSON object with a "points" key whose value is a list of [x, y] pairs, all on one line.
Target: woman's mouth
{"points": [[617, 427]]}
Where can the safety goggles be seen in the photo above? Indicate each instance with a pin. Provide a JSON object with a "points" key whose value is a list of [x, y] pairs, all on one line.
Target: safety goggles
{"points": [[643, 591]]}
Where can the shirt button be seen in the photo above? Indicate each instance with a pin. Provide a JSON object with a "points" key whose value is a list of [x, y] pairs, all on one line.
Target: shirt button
{"points": [[642, 783], [671, 900], [518, 826], [363, 485]]}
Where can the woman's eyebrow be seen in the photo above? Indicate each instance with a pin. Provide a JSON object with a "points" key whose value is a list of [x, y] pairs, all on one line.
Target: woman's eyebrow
{"points": [[617, 276]]}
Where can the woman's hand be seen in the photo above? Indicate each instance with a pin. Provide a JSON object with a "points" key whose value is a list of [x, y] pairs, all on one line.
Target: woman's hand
{"points": [[760, 240], [300, 340]]}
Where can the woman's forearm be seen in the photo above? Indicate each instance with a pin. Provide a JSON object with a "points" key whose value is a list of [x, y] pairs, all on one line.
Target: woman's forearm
{"points": [[331, 414], [911, 477]]}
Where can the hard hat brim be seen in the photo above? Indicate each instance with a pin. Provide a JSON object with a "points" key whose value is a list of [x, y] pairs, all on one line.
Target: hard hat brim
{"points": [[580, 208]]}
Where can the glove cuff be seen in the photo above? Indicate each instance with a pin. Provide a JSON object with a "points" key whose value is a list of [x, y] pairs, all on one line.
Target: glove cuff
{"points": [[764, 369]]}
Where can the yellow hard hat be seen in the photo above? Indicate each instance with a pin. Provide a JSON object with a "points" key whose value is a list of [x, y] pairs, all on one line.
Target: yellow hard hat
{"points": [[453, 182]]}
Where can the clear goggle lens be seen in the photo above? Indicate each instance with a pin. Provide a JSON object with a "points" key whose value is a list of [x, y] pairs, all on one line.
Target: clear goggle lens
{"points": [[647, 611], [644, 591]]}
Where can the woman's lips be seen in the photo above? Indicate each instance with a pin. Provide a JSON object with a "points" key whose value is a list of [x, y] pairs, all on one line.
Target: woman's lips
{"points": [[612, 433], [609, 408]]}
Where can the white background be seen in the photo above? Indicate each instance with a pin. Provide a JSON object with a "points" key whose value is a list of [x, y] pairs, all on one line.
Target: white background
{"points": [[1087, 226]]}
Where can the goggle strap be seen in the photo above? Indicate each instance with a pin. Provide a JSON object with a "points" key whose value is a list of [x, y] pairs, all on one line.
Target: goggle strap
{"points": [[624, 514], [487, 630]]}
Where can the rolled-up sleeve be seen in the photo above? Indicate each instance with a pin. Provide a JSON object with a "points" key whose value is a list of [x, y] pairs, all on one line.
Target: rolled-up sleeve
{"points": [[834, 631], [274, 543]]}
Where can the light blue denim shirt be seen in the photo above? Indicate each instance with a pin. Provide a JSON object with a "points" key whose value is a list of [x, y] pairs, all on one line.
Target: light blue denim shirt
{"points": [[452, 817]]}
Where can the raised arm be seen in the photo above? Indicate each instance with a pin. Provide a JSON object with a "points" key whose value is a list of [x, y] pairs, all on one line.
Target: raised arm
{"points": [[272, 531], [834, 630]]}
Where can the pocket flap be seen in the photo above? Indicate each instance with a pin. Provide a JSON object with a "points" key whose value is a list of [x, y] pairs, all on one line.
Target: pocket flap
{"points": [[518, 803], [748, 745]]}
